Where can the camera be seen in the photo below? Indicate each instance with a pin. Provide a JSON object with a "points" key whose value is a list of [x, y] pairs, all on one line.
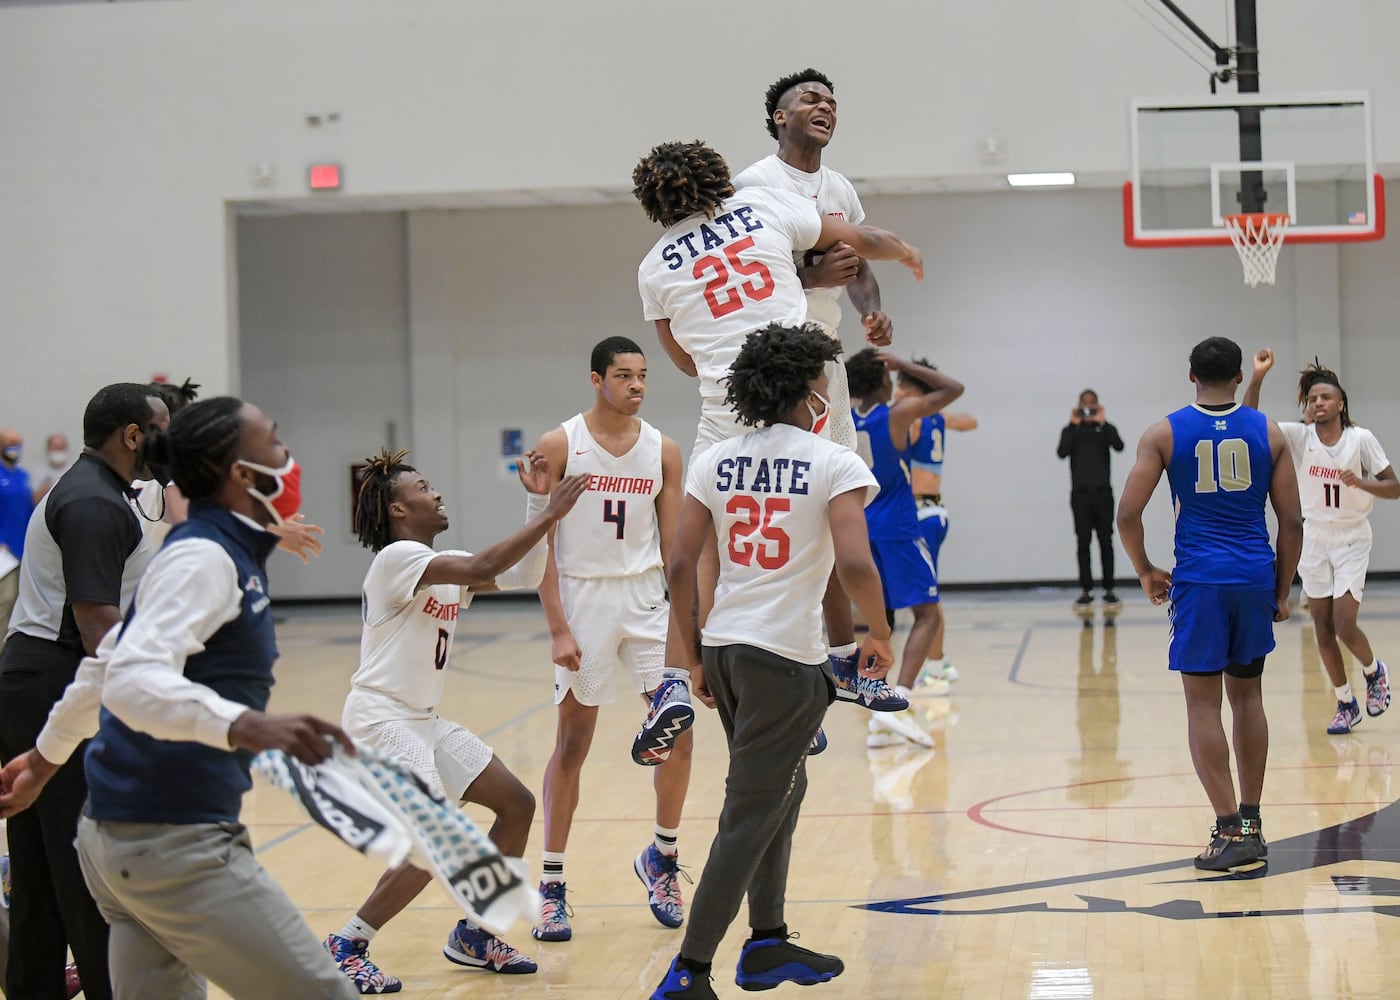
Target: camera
{"points": [[1088, 411]]}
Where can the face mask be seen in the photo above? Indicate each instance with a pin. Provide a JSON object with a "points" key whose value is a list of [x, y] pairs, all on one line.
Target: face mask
{"points": [[11, 453], [58, 458], [278, 499], [819, 419]]}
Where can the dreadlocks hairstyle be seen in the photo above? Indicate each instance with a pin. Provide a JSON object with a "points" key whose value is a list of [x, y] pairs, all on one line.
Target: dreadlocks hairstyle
{"points": [[679, 179], [175, 397], [1214, 361], [113, 408], [375, 495], [913, 381], [609, 349], [1315, 374], [865, 373], [774, 370], [199, 448], [781, 87]]}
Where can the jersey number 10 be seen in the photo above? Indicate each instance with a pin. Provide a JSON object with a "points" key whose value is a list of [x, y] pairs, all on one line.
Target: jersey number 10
{"points": [[1223, 465]]}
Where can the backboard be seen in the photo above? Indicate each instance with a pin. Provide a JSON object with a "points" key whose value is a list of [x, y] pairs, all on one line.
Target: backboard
{"points": [[1196, 160]]}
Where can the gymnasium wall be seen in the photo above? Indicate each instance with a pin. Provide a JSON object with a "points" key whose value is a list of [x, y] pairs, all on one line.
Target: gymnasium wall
{"points": [[129, 129]]}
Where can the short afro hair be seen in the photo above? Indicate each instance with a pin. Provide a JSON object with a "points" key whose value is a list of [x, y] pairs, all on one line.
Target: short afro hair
{"points": [[1214, 361], [608, 349], [774, 371], [679, 179], [913, 381], [782, 86], [114, 408], [865, 373]]}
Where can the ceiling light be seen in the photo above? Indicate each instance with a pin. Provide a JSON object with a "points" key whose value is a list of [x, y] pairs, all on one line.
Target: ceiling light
{"points": [[1062, 179]]}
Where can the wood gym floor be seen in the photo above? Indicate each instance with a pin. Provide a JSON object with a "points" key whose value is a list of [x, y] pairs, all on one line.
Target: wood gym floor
{"points": [[1043, 850]]}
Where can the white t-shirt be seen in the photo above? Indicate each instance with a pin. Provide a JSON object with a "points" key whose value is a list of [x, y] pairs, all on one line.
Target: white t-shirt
{"points": [[833, 194], [718, 279], [408, 630], [612, 530], [1326, 499], [768, 492]]}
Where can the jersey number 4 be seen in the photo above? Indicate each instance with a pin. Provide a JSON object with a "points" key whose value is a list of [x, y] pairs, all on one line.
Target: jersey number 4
{"points": [[724, 300], [1222, 465], [760, 519], [615, 512]]}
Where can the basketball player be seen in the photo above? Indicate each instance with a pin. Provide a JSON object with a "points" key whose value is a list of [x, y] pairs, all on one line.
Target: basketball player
{"points": [[724, 267], [927, 439], [788, 505], [604, 597], [1227, 589], [1341, 468], [413, 595], [907, 576], [800, 113]]}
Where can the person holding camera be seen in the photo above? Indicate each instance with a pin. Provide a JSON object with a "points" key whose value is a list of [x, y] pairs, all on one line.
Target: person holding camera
{"points": [[1086, 441]]}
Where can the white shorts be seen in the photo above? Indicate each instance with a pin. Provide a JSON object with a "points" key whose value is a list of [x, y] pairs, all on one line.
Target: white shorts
{"points": [[614, 619], [447, 756], [1335, 559], [717, 423]]}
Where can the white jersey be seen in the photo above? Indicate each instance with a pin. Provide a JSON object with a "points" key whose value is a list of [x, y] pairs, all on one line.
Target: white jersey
{"points": [[768, 493], [1326, 499], [407, 634], [612, 530], [833, 195], [718, 279]]}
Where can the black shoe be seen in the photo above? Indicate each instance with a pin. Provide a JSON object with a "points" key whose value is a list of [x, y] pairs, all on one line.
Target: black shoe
{"points": [[1085, 599], [1230, 848], [1110, 599], [1252, 830], [682, 984], [766, 963]]}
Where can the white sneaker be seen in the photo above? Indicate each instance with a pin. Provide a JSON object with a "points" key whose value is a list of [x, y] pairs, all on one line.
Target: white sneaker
{"points": [[930, 686], [878, 738], [950, 672], [902, 725]]}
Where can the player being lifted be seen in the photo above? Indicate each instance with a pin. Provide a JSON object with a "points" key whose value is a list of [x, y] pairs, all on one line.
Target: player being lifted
{"points": [[412, 597], [1341, 469], [724, 267], [604, 596]]}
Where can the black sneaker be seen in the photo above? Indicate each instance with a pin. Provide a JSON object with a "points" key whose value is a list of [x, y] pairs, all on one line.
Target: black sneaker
{"points": [[682, 984], [1252, 830], [1230, 848], [1110, 600], [1084, 600], [766, 963]]}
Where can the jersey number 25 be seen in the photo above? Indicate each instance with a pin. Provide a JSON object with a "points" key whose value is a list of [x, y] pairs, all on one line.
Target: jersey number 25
{"points": [[760, 519], [724, 300]]}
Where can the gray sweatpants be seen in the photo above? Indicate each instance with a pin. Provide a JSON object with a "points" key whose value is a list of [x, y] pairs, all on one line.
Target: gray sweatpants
{"points": [[770, 708], [190, 903]]}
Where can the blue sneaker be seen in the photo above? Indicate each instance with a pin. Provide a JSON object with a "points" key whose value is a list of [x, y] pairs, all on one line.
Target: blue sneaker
{"points": [[1348, 717], [352, 955], [682, 984], [1378, 690], [772, 961], [670, 715], [818, 743], [468, 945], [554, 914], [658, 873], [867, 692]]}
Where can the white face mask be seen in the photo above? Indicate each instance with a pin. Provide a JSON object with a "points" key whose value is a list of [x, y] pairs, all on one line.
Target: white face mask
{"points": [[266, 498], [58, 458], [819, 419]]}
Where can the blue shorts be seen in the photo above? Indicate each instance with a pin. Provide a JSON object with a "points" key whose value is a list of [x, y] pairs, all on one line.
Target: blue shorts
{"points": [[1214, 627], [933, 525], [906, 570]]}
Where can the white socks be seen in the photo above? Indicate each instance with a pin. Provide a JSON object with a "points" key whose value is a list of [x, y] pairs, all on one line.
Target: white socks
{"points": [[357, 930]]}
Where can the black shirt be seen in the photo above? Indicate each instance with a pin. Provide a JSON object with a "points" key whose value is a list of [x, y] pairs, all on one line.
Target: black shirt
{"points": [[1086, 446]]}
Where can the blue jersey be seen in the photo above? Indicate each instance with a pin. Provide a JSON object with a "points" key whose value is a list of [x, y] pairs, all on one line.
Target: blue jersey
{"points": [[927, 451], [892, 514], [1219, 473]]}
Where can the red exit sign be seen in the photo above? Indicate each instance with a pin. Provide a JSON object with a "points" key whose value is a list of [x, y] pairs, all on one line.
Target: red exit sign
{"points": [[324, 176]]}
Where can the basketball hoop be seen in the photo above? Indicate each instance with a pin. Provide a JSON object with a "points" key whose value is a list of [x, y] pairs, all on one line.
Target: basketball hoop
{"points": [[1258, 237]]}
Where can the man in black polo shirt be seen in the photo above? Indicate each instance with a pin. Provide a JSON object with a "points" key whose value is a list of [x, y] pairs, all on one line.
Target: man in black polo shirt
{"points": [[84, 553], [1085, 441]]}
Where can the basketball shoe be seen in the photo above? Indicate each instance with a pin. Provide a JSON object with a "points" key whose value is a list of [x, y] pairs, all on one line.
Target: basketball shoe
{"points": [[818, 743], [867, 692], [1378, 690], [670, 715], [554, 914], [470, 945], [766, 963], [1229, 847], [659, 873], [1348, 716], [683, 984], [352, 955], [900, 725]]}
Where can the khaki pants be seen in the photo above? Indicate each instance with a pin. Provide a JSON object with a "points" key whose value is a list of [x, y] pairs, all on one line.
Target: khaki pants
{"points": [[190, 903]]}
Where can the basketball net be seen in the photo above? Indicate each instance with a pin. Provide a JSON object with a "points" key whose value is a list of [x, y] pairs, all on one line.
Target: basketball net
{"points": [[1258, 237]]}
